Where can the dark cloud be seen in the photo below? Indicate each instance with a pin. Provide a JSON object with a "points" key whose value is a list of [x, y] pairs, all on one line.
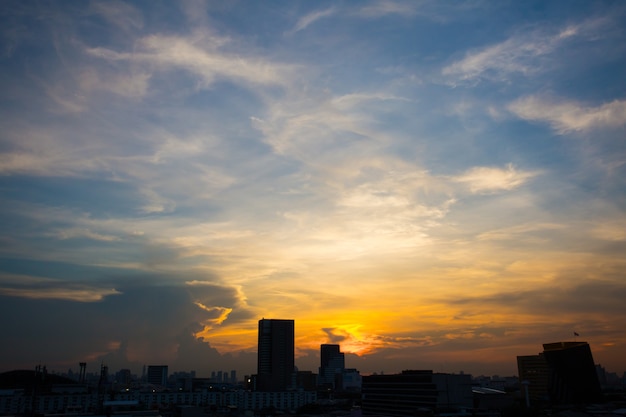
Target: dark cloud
{"points": [[333, 337], [590, 296], [150, 319]]}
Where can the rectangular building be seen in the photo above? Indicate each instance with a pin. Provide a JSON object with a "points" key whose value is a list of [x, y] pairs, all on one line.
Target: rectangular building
{"points": [[275, 361], [398, 395], [564, 373], [332, 364], [573, 378], [157, 375]]}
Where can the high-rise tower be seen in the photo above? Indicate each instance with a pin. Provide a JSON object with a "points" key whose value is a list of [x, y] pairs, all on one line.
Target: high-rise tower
{"points": [[573, 377], [563, 374], [275, 363], [332, 363]]}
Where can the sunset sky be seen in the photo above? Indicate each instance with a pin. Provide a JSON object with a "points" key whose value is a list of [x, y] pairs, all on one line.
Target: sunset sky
{"points": [[431, 184]]}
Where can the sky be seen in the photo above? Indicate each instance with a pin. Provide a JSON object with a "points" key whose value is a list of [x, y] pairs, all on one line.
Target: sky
{"points": [[430, 184]]}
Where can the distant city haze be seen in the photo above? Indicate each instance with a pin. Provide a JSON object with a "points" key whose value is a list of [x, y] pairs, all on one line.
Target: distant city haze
{"points": [[428, 185]]}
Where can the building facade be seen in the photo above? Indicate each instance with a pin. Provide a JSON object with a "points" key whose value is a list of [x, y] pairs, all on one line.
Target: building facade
{"points": [[157, 375], [275, 362], [564, 373], [573, 377], [17, 401], [418, 392], [332, 364], [399, 394], [533, 374]]}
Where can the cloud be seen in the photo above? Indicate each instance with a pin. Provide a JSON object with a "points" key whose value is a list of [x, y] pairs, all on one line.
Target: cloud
{"points": [[567, 116], [77, 233], [202, 58], [321, 128], [148, 319], [610, 230], [333, 337], [155, 203], [515, 232], [85, 295], [133, 86], [122, 15], [39, 288], [491, 179], [525, 53], [388, 7], [311, 18], [601, 299], [496, 61]]}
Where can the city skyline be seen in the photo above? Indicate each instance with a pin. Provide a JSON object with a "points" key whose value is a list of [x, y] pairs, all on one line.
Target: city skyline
{"points": [[429, 185]]}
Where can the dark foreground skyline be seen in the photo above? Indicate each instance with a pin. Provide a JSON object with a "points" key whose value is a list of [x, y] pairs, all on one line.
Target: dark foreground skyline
{"points": [[433, 185], [564, 375], [275, 357]]}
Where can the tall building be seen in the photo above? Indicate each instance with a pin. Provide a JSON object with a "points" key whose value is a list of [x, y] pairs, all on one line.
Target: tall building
{"points": [[563, 374], [275, 362], [573, 377], [332, 364]]}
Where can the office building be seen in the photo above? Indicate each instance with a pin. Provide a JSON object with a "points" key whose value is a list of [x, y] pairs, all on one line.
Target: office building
{"points": [[573, 377], [416, 392], [275, 362], [332, 364], [563, 374], [399, 394]]}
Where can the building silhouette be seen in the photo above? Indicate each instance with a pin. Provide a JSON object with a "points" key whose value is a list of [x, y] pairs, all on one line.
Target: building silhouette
{"points": [[533, 374], [275, 362], [564, 373], [332, 364], [412, 393], [351, 380], [157, 375], [573, 377], [398, 395]]}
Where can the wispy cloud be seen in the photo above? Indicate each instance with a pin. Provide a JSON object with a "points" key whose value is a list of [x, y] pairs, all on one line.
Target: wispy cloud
{"points": [[41, 288], [84, 295], [78, 233], [131, 86], [176, 52], [514, 232], [524, 53], [493, 179], [120, 14], [567, 116], [388, 7], [311, 18]]}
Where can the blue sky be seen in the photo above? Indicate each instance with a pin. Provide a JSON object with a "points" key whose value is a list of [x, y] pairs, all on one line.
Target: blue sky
{"points": [[433, 185]]}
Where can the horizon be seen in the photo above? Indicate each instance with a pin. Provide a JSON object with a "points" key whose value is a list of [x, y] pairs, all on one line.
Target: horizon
{"points": [[431, 185], [138, 369]]}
